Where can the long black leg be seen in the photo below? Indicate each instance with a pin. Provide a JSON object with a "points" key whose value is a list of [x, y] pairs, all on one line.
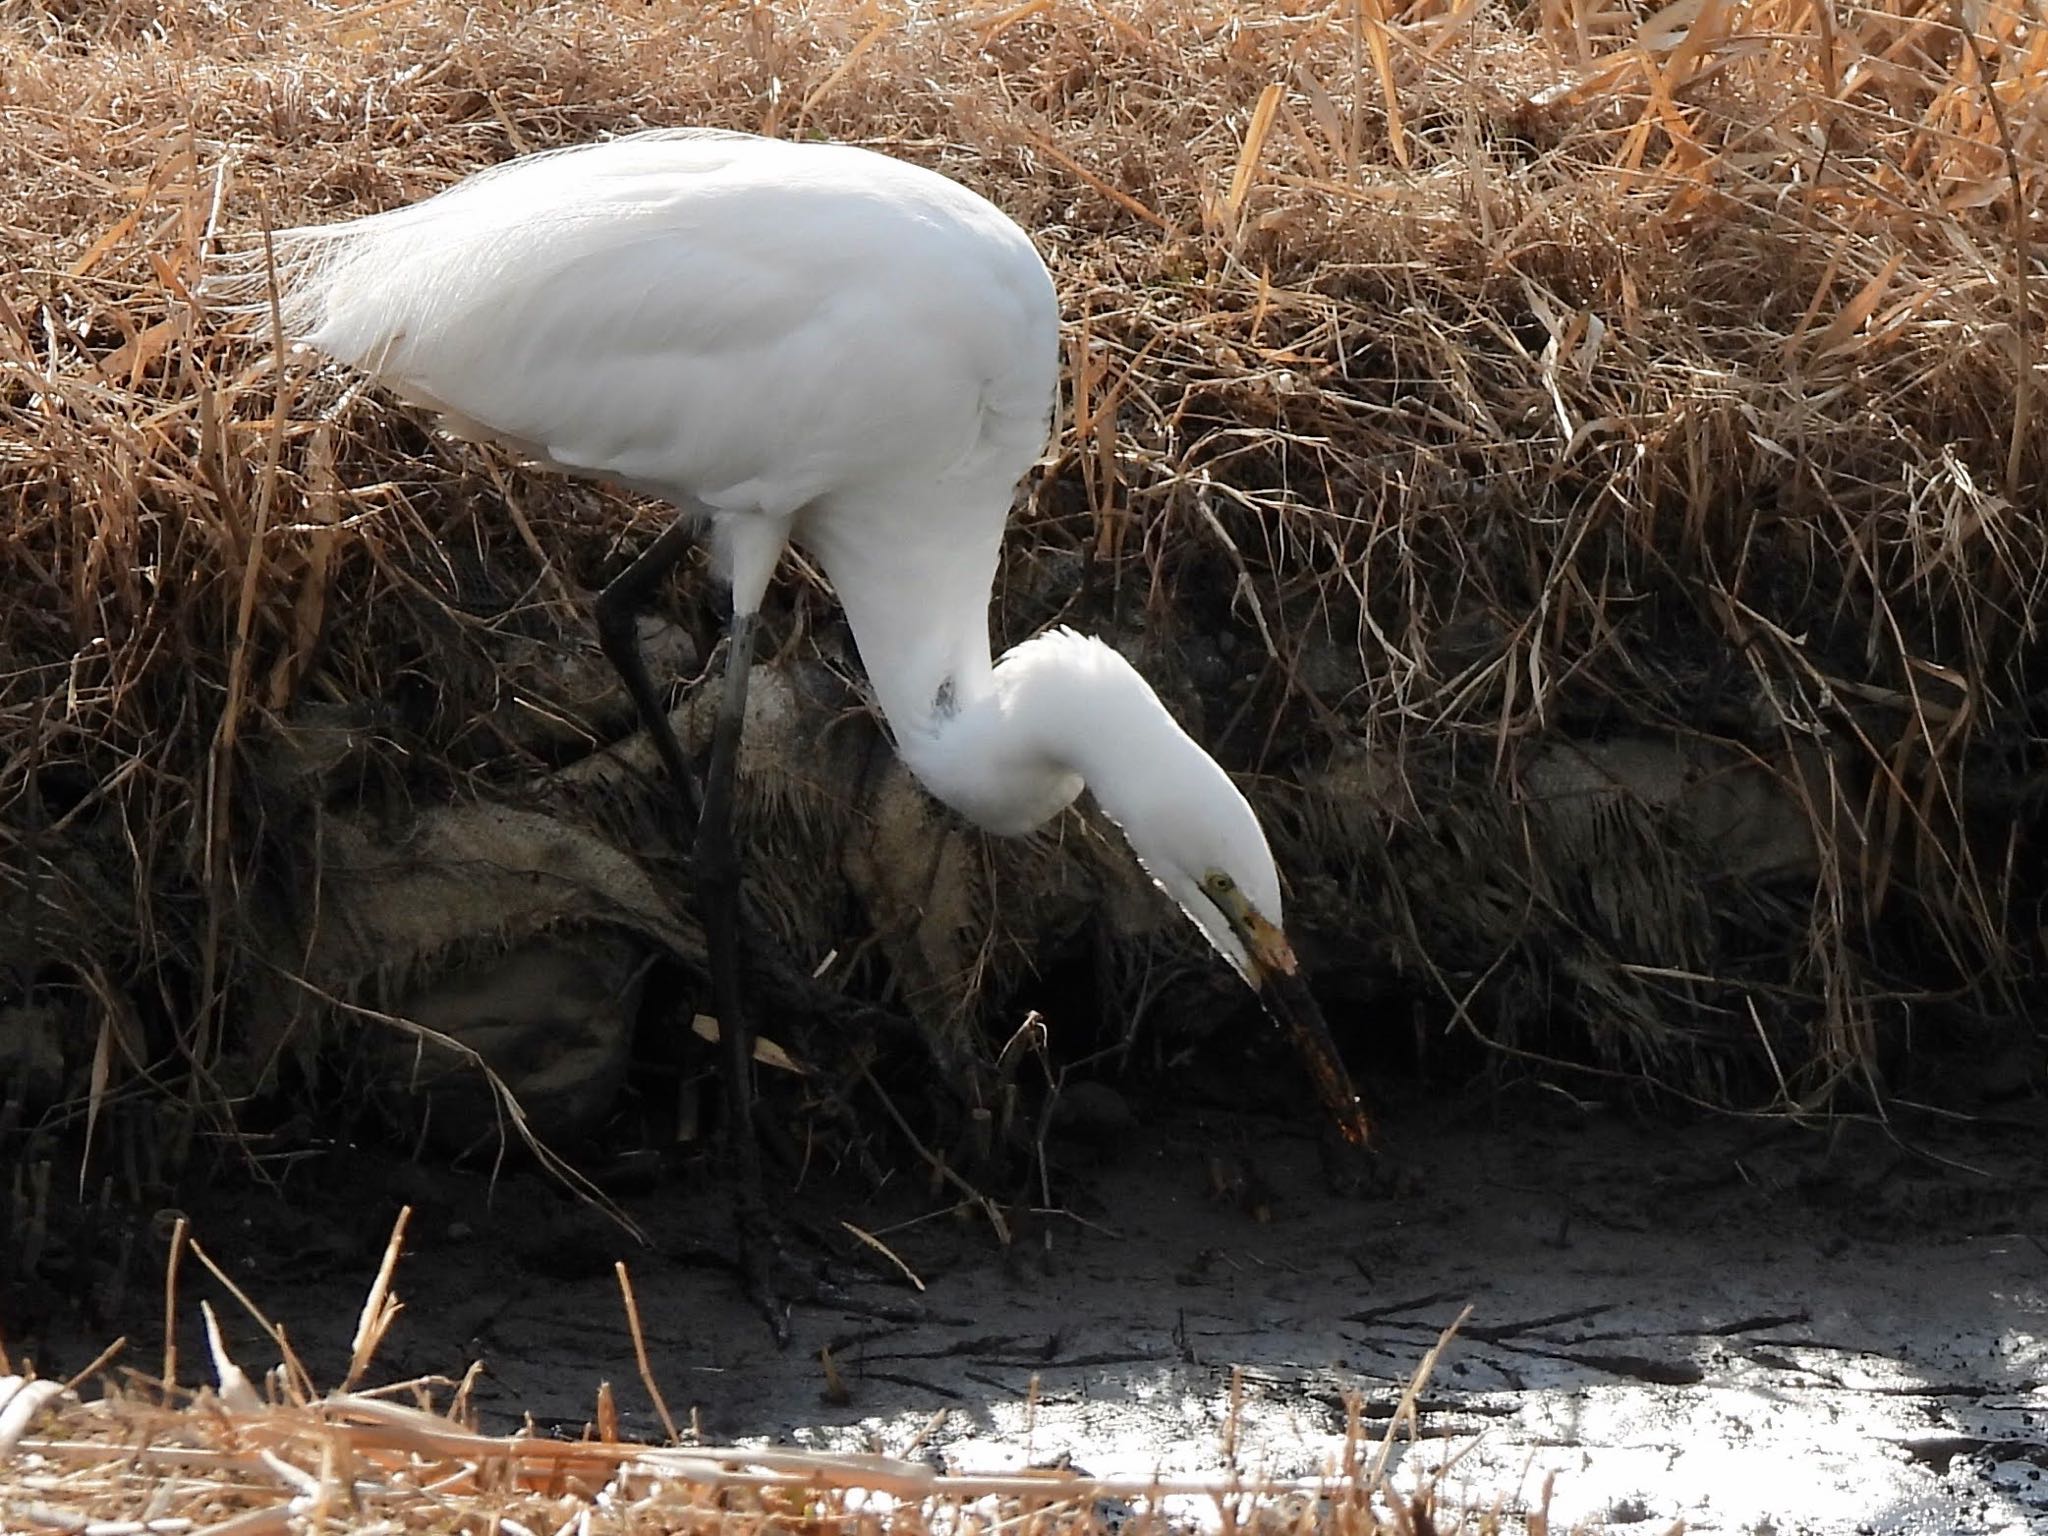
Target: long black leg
{"points": [[619, 606], [715, 868], [717, 854], [715, 863]]}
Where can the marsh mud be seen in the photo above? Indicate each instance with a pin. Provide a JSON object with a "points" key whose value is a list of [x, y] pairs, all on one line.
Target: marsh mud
{"points": [[1743, 1325]]}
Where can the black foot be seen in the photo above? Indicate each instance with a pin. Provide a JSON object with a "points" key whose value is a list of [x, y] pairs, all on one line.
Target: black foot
{"points": [[777, 1279], [763, 1261], [1367, 1173]]}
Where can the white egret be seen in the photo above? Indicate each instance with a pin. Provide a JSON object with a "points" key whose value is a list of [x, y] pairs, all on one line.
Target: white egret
{"points": [[816, 344]]}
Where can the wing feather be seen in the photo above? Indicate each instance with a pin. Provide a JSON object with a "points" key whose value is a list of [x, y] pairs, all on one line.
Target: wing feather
{"points": [[745, 322]]}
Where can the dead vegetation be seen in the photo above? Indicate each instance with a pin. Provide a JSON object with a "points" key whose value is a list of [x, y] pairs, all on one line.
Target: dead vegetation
{"points": [[1585, 463], [275, 1454]]}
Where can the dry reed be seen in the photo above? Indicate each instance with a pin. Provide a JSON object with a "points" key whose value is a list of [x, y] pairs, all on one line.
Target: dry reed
{"points": [[1462, 397], [148, 1455]]}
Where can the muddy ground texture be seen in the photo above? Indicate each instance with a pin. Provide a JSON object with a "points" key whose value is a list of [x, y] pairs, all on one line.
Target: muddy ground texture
{"points": [[1743, 1324]]}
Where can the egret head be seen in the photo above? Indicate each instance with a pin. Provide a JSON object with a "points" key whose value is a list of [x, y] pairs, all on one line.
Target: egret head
{"points": [[1064, 710], [1197, 837]]}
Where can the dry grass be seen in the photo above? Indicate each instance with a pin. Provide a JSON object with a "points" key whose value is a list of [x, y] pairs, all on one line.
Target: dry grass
{"points": [[1451, 386], [276, 1454]]}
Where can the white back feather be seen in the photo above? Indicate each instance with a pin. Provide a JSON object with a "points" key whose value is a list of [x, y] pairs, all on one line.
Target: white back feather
{"points": [[740, 322]]}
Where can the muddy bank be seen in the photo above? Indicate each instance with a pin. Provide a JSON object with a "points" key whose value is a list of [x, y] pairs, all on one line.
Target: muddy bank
{"points": [[1746, 1326]]}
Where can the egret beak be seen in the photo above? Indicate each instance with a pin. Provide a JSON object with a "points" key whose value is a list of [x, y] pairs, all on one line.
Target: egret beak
{"points": [[1286, 998]]}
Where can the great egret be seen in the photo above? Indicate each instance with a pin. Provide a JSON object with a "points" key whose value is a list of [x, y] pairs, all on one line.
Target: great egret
{"points": [[820, 344]]}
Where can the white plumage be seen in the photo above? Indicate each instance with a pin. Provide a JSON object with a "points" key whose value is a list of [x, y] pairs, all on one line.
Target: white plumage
{"points": [[821, 344]]}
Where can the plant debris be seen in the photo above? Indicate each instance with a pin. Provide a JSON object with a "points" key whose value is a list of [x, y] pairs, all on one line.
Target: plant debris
{"points": [[149, 1456], [1583, 464]]}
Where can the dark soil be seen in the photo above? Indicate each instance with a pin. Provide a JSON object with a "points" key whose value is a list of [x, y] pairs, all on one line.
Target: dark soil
{"points": [[1746, 1324]]}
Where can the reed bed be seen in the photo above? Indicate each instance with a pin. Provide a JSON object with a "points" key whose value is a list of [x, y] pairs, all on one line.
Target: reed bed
{"points": [[1583, 462]]}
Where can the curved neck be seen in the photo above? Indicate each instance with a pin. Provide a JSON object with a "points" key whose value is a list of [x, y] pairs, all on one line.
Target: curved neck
{"points": [[916, 600], [1058, 713], [1008, 744]]}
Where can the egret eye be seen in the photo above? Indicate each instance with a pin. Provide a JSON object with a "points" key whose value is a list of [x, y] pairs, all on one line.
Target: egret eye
{"points": [[1220, 884]]}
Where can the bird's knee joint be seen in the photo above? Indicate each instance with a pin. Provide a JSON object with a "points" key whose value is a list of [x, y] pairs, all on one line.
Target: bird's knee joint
{"points": [[618, 620], [715, 864], [717, 889]]}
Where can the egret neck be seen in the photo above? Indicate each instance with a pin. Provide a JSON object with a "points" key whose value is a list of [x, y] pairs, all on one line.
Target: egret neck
{"points": [[1064, 711]]}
